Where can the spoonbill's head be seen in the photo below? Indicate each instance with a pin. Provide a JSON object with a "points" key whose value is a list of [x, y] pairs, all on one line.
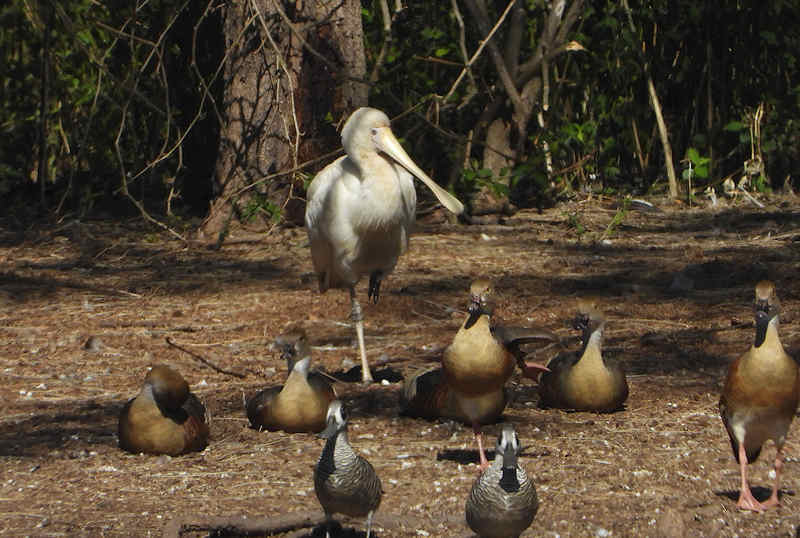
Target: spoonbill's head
{"points": [[367, 132]]}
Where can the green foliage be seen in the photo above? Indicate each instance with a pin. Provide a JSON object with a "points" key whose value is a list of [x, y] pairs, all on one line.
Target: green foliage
{"points": [[574, 223], [260, 205], [136, 75], [474, 179], [115, 73], [619, 218], [699, 165]]}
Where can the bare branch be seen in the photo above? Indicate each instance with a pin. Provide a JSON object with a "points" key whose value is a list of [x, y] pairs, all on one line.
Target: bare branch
{"points": [[204, 360], [516, 30], [462, 46], [486, 41], [552, 42], [387, 40]]}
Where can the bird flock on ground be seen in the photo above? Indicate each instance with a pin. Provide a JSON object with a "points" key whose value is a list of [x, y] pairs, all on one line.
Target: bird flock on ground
{"points": [[359, 216]]}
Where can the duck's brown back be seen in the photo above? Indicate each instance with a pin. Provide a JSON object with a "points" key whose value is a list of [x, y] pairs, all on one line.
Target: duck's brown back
{"points": [[144, 428]]}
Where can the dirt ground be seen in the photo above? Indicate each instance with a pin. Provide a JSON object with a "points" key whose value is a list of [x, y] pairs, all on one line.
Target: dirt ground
{"points": [[676, 286]]}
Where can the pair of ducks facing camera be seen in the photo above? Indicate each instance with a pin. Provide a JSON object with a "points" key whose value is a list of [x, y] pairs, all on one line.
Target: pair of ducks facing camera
{"points": [[758, 402]]}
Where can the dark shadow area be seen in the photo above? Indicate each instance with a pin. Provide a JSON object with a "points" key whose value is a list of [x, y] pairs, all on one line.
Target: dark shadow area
{"points": [[372, 401], [465, 457], [353, 375], [462, 456], [759, 492], [337, 530], [61, 429]]}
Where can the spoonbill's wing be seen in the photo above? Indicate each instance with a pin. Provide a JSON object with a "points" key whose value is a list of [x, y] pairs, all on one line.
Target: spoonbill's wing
{"points": [[318, 217]]}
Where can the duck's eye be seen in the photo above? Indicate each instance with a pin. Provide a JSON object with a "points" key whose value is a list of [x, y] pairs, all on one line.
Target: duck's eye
{"points": [[374, 131]]}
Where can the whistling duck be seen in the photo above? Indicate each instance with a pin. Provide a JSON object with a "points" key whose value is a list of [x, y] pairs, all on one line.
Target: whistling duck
{"points": [[503, 500], [426, 395], [165, 417], [345, 482], [585, 381], [760, 396], [300, 404], [477, 364]]}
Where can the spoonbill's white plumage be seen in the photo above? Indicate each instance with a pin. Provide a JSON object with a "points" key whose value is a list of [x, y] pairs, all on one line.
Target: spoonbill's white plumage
{"points": [[360, 211]]}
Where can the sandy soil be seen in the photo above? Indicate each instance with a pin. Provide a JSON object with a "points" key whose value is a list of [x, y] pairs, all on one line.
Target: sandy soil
{"points": [[676, 286]]}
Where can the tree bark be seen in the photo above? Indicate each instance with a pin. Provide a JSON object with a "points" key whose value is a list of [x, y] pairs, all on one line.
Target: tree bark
{"points": [[288, 65]]}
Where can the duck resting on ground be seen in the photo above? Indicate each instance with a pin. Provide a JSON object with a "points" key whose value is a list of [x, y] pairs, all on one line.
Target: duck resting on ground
{"points": [[300, 404], [585, 381], [164, 418]]}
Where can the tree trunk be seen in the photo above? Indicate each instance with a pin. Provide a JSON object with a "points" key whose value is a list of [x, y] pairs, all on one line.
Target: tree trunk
{"points": [[283, 74], [526, 84]]}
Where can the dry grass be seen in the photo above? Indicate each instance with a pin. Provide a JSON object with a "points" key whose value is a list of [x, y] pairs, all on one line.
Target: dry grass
{"points": [[632, 473]]}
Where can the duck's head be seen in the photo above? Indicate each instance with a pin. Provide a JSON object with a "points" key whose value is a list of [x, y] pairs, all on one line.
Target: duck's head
{"points": [[481, 301], [169, 389], [293, 346], [766, 304], [336, 420], [589, 319], [767, 307], [507, 451], [508, 446]]}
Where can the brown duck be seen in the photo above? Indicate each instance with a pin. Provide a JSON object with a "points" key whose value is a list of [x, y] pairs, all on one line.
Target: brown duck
{"points": [[584, 381], [165, 418], [760, 397], [426, 395], [300, 404], [476, 366]]}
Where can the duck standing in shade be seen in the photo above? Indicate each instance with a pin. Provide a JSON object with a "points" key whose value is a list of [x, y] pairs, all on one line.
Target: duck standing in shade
{"points": [[502, 502], [164, 418], [585, 381], [477, 364], [300, 404], [760, 397], [344, 481]]}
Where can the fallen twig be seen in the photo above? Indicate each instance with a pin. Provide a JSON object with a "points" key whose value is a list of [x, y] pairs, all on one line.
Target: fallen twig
{"points": [[260, 526], [245, 526], [204, 360]]}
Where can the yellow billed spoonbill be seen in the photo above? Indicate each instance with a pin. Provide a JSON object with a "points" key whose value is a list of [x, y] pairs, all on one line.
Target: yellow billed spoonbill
{"points": [[360, 211]]}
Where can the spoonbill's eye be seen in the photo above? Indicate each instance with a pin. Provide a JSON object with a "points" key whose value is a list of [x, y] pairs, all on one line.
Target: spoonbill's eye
{"points": [[374, 131]]}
